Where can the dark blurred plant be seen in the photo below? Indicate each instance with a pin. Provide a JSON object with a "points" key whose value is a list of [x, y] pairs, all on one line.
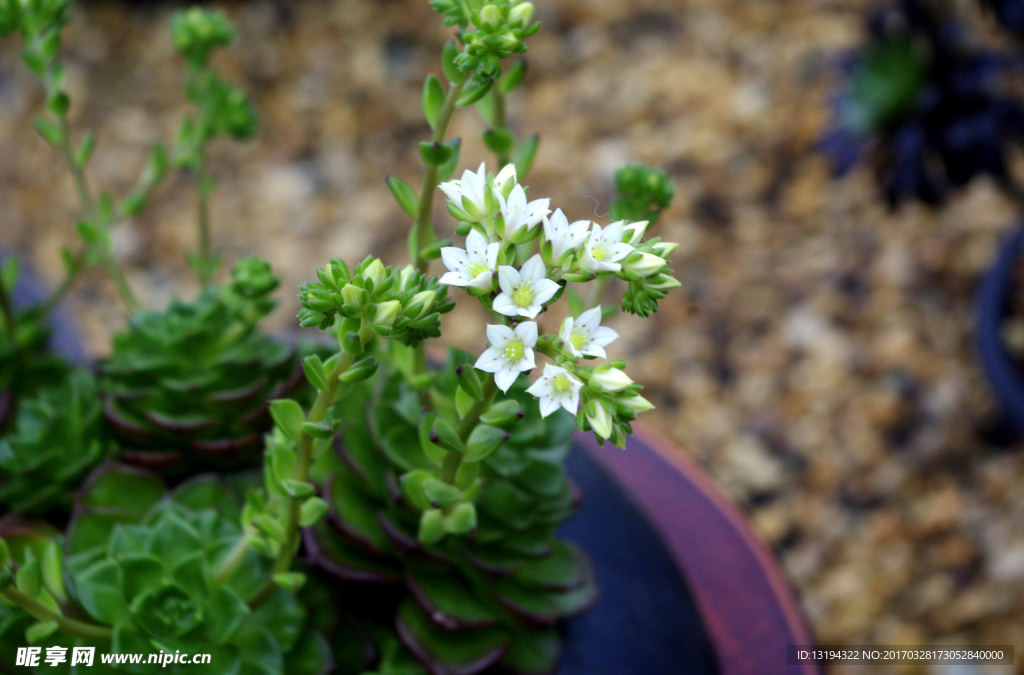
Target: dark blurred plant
{"points": [[928, 109]]}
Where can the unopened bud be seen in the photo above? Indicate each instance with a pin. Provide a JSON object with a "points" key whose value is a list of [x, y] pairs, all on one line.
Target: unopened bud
{"points": [[387, 312], [352, 295], [646, 265], [521, 14], [506, 179], [490, 17], [665, 283], [665, 248], [633, 233], [374, 272], [636, 404], [610, 380], [599, 418], [426, 298]]}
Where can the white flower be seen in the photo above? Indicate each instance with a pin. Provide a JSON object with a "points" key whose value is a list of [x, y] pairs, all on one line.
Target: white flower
{"points": [[585, 336], [523, 292], [473, 266], [563, 236], [604, 248], [510, 353], [555, 388], [633, 233], [470, 193], [519, 216], [610, 380]]}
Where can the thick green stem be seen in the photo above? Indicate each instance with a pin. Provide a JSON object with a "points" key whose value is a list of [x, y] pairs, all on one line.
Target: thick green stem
{"points": [[303, 461], [88, 631], [454, 460]]}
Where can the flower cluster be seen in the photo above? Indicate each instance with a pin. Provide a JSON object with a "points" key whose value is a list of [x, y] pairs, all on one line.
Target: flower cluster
{"points": [[499, 222], [400, 305]]}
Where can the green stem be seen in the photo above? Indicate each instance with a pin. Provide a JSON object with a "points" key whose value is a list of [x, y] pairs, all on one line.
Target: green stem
{"points": [[89, 214], [453, 460], [424, 227], [303, 461], [7, 310], [600, 284], [232, 561], [65, 285], [88, 631], [500, 121], [203, 217]]}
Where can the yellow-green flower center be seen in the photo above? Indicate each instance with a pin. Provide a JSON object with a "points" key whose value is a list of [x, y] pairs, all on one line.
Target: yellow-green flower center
{"points": [[514, 351], [577, 339], [523, 296], [561, 383], [599, 253], [475, 269]]}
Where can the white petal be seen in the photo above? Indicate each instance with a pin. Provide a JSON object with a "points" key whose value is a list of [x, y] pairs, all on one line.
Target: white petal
{"points": [[527, 362], [527, 332], [492, 255], [454, 258], [603, 335], [533, 270], [594, 349], [543, 290], [508, 171], [504, 305], [572, 403], [490, 361], [505, 377], [530, 312], [453, 191], [454, 279], [499, 335], [538, 388], [482, 280], [476, 245], [548, 405], [509, 279], [589, 320], [613, 233], [618, 252]]}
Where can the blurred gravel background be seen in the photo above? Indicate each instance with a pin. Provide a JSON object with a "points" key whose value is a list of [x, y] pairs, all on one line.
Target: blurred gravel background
{"points": [[817, 360]]}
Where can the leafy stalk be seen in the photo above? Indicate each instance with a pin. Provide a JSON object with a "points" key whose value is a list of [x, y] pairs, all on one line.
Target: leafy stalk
{"points": [[82, 629], [453, 460]]}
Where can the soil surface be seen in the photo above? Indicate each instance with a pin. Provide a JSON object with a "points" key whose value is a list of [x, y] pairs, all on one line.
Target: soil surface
{"points": [[818, 359]]}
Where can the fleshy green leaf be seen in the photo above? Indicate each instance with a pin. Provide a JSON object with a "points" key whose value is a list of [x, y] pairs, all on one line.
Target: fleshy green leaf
{"points": [[433, 99], [289, 417], [524, 155], [405, 195]]}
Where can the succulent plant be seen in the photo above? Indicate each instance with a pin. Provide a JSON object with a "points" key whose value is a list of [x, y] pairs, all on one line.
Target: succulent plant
{"points": [[56, 440], [143, 564], [470, 602], [189, 386]]}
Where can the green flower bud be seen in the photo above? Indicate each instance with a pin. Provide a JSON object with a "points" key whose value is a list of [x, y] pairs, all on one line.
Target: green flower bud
{"points": [[387, 312], [352, 295], [427, 299], [665, 248], [374, 272], [490, 18], [521, 14], [665, 283], [636, 404], [610, 380], [599, 418], [633, 233], [647, 264]]}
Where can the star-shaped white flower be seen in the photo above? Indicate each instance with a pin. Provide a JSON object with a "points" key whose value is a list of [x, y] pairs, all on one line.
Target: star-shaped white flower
{"points": [[519, 216], [563, 236], [605, 248], [470, 192], [556, 388], [506, 179], [585, 336], [471, 267], [510, 353], [524, 292]]}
